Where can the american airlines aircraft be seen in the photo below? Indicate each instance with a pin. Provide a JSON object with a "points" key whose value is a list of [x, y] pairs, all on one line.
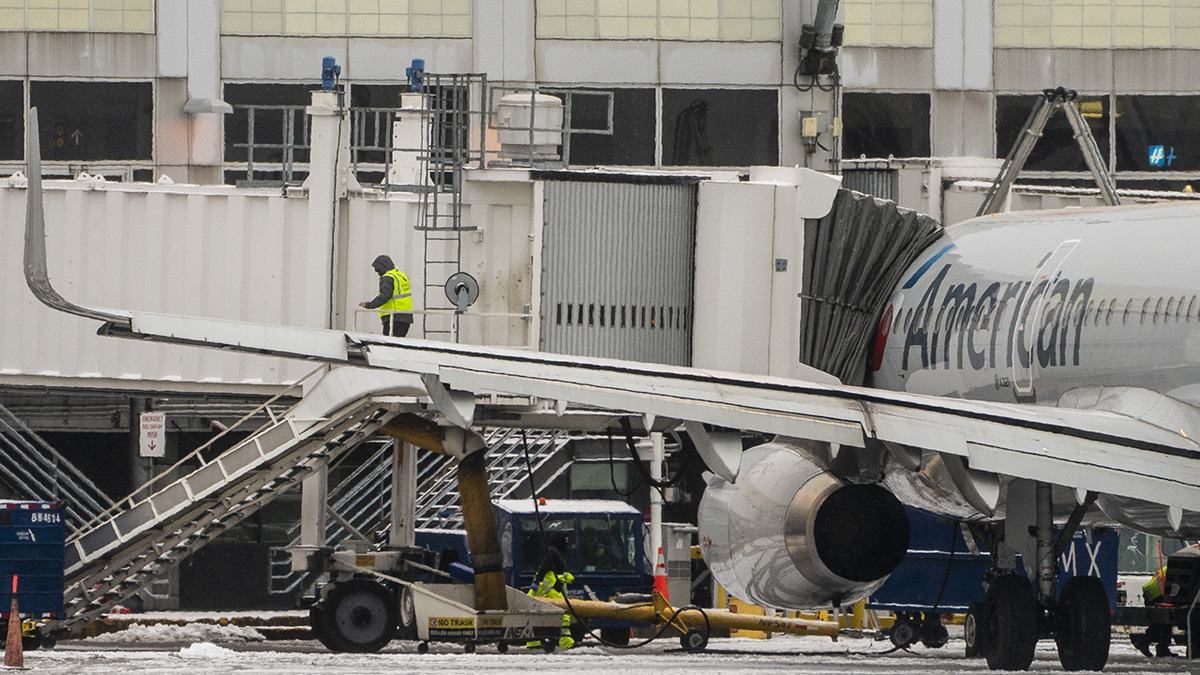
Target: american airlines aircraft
{"points": [[1031, 369]]}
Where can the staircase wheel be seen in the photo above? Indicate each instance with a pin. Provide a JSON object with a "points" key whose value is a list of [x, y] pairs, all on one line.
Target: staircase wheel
{"points": [[360, 616]]}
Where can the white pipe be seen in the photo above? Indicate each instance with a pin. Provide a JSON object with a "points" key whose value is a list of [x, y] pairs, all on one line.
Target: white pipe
{"points": [[656, 465]]}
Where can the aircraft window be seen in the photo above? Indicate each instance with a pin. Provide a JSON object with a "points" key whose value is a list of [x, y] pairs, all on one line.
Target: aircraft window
{"points": [[1100, 310], [922, 318], [1128, 309], [1170, 309], [1112, 306], [1191, 308], [907, 319], [1179, 308], [983, 320], [1145, 309], [1091, 312], [937, 325], [1000, 316], [1158, 310]]}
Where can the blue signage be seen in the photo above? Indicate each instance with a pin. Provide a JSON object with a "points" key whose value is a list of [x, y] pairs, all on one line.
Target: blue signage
{"points": [[1161, 155]]}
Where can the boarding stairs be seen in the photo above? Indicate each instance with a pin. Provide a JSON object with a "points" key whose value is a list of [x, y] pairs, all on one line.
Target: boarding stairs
{"points": [[122, 551], [1049, 102], [36, 471]]}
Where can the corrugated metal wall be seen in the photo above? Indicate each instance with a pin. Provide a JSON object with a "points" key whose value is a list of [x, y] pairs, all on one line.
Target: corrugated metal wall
{"points": [[202, 252], [617, 270], [875, 182]]}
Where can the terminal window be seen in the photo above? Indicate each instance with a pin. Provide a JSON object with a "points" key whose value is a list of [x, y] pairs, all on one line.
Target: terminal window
{"points": [[1057, 149], [631, 142], [720, 127], [666, 19], [433, 18], [12, 120], [1158, 133], [89, 121], [1097, 24], [123, 16], [889, 23], [885, 125]]}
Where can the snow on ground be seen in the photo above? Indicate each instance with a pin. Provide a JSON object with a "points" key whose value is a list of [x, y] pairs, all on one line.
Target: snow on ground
{"points": [[785, 654], [192, 632]]}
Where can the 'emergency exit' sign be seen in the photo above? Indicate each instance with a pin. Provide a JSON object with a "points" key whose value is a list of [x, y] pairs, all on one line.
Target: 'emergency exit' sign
{"points": [[153, 437]]}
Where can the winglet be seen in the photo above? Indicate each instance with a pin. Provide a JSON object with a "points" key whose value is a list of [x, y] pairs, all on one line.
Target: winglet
{"points": [[36, 274]]}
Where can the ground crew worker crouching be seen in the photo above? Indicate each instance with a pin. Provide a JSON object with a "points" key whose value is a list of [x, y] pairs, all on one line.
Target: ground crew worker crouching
{"points": [[394, 301], [551, 582], [1158, 630]]}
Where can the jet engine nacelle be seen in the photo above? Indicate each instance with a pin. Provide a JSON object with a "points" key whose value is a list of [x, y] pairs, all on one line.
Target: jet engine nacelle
{"points": [[790, 535]]}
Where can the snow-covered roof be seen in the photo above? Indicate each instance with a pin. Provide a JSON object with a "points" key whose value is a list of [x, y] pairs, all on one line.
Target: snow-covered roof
{"points": [[580, 506]]}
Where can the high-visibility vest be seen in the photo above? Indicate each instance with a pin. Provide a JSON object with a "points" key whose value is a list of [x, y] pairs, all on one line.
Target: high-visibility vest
{"points": [[1153, 590], [401, 300]]}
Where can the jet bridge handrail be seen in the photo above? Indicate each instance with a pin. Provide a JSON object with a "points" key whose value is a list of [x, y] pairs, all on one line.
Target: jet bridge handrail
{"points": [[131, 499]]}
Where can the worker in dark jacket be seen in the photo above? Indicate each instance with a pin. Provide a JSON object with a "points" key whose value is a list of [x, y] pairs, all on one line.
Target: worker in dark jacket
{"points": [[394, 301]]}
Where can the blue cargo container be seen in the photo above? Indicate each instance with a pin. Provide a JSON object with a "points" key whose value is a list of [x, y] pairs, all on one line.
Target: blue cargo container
{"points": [[32, 535], [915, 584]]}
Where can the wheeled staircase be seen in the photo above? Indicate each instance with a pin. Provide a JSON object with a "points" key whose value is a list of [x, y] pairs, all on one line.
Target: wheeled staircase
{"points": [[124, 549]]}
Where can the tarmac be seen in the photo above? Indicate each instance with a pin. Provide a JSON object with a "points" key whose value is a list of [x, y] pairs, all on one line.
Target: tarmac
{"points": [[199, 644]]}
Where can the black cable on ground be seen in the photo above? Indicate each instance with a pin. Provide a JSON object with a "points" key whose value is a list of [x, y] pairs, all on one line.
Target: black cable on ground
{"points": [[566, 596]]}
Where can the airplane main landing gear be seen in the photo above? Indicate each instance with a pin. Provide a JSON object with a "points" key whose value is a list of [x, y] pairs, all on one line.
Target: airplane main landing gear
{"points": [[1005, 627]]}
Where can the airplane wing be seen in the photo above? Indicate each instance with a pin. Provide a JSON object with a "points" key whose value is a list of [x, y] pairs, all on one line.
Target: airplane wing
{"points": [[1082, 449]]}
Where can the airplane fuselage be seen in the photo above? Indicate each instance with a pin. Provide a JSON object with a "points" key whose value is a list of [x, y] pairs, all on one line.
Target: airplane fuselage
{"points": [[1025, 307]]}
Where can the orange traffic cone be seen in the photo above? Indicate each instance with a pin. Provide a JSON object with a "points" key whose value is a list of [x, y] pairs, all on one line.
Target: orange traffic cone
{"points": [[14, 653], [660, 576]]}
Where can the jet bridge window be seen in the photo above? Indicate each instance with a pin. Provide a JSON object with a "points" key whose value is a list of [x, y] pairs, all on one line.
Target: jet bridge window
{"points": [[90, 121], [1057, 149], [883, 125]]}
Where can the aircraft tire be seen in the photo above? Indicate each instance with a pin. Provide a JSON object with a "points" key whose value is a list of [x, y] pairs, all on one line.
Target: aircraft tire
{"points": [[1083, 624], [1012, 630], [360, 616]]}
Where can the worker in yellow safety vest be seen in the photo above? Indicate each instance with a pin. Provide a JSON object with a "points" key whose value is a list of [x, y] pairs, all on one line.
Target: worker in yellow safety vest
{"points": [[1157, 633], [394, 301], [551, 582]]}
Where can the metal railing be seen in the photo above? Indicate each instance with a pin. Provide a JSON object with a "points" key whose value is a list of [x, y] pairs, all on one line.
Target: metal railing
{"points": [[35, 470]]}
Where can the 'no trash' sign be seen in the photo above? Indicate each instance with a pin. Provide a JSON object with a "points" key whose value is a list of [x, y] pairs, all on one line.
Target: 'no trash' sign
{"points": [[153, 438]]}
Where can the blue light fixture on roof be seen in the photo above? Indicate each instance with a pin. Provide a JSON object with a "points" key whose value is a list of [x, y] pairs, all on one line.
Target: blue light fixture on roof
{"points": [[329, 73], [415, 74]]}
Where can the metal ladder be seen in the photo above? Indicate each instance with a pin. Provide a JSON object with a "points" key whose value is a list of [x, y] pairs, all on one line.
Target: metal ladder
{"points": [[122, 551], [447, 151], [36, 471], [1048, 102]]}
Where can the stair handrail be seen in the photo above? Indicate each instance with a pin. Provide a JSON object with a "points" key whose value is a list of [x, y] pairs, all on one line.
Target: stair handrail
{"points": [[132, 500]]}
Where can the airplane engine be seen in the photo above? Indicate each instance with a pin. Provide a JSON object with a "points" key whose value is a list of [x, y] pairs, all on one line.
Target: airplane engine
{"points": [[789, 534]]}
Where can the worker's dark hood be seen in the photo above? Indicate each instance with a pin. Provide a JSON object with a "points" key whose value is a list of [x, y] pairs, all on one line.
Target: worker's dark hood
{"points": [[382, 264]]}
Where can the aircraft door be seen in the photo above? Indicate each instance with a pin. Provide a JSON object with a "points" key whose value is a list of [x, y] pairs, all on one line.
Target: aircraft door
{"points": [[1029, 317]]}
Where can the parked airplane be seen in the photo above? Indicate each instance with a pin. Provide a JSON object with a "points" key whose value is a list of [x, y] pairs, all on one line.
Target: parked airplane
{"points": [[1088, 314]]}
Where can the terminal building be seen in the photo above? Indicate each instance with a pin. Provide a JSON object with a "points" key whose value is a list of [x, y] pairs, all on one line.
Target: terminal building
{"points": [[180, 135]]}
